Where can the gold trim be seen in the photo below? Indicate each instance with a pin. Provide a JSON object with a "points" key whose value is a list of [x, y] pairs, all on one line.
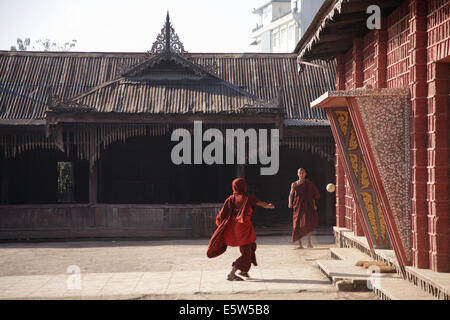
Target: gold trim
{"points": [[352, 142], [342, 119], [368, 203], [382, 222], [365, 181], [354, 162]]}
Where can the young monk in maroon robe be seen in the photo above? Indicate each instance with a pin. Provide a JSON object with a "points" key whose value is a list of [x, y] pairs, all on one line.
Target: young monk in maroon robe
{"points": [[302, 199], [235, 229]]}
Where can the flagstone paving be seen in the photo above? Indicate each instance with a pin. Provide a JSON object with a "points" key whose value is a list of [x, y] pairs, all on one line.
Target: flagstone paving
{"points": [[170, 269]]}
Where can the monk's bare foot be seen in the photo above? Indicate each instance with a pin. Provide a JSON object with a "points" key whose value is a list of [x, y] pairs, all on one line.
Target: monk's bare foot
{"points": [[233, 277], [244, 274], [299, 247], [310, 245]]}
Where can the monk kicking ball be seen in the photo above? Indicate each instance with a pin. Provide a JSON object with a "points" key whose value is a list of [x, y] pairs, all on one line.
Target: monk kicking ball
{"points": [[235, 229]]}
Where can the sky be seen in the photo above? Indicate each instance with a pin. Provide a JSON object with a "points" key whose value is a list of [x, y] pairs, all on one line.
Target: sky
{"points": [[130, 25]]}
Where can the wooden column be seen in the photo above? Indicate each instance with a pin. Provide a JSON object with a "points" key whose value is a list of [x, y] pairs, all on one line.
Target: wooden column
{"points": [[240, 170], [418, 131], [4, 172], [93, 181]]}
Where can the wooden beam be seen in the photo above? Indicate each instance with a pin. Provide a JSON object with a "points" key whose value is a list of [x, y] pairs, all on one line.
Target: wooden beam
{"points": [[361, 6], [54, 118], [21, 122], [333, 46], [333, 37]]}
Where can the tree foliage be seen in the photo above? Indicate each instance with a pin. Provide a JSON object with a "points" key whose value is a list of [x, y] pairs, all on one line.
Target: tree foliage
{"points": [[65, 182], [43, 45]]}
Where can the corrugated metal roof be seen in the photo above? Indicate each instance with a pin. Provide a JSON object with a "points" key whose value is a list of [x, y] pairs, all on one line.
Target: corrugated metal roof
{"points": [[25, 76], [171, 97]]}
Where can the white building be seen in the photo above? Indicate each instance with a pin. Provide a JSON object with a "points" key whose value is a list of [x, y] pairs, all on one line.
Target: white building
{"points": [[281, 24]]}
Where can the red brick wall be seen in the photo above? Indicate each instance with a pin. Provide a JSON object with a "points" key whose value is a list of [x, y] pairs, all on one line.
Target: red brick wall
{"points": [[369, 59], [349, 70], [380, 55], [418, 132], [398, 47], [348, 205], [438, 151], [413, 50], [438, 27]]}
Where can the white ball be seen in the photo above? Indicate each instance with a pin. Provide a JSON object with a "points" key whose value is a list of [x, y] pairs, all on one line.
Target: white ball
{"points": [[331, 187]]}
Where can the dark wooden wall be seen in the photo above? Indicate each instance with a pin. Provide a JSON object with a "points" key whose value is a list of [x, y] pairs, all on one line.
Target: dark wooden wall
{"points": [[276, 188], [141, 171], [32, 178]]}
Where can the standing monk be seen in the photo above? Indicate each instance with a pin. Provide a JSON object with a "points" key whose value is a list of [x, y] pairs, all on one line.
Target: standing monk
{"points": [[303, 198], [235, 229]]}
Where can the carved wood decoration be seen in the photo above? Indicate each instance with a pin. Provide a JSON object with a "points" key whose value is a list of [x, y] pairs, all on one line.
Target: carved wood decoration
{"points": [[167, 41], [15, 143]]}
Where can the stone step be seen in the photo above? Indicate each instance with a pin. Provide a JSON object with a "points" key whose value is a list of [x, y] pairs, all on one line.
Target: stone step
{"points": [[432, 284], [350, 254], [348, 277], [398, 289]]}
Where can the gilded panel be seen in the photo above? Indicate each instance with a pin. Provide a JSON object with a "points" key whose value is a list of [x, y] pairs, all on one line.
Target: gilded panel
{"points": [[370, 209], [354, 163], [382, 223], [365, 181], [343, 119], [352, 143]]}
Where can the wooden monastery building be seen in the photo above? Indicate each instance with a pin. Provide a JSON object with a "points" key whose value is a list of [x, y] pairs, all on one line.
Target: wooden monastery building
{"points": [[390, 121], [85, 138]]}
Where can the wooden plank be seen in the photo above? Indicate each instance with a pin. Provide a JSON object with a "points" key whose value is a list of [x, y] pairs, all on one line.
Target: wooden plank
{"points": [[361, 6]]}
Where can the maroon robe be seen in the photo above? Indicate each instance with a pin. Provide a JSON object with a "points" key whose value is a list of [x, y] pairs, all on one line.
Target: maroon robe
{"points": [[305, 217], [234, 226]]}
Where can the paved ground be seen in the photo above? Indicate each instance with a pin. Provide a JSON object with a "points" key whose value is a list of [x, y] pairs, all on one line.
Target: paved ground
{"points": [[172, 269]]}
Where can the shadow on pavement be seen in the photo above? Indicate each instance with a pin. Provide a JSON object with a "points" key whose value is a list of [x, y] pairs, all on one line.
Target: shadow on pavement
{"points": [[298, 281]]}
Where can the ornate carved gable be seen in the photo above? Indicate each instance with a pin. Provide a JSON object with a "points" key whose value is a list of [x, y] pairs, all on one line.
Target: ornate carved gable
{"points": [[168, 60], [167, 66], [167, 41]]}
